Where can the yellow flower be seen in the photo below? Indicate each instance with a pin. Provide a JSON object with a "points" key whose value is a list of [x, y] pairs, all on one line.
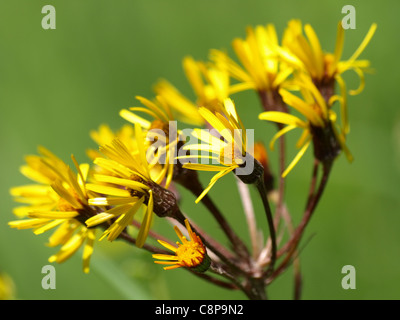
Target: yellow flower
{"points": [[58, 200], [190, 254], [104, 135], [161, 133], [210, 83], [259, 56], [157, 109], [306, 54], [185, 109], [319, 126], [125, 187], [229, 152]]}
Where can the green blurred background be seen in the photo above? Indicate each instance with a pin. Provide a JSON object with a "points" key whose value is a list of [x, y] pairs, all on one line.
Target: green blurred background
{"points": [[57, 85]]}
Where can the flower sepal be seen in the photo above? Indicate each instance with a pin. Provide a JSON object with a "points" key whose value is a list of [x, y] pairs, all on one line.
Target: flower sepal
{"points": [[326, 144]]}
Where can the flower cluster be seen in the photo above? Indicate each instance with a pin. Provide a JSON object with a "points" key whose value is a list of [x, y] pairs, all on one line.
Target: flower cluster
{"points": [[134, 172]]}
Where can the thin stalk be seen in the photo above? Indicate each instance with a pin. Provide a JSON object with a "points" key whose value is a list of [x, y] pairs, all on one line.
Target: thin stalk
{"points": [[253, 291], [313, 182], [263, 194], [215, 281], [298, 280], [250, 216], [146, 246], [256, 289], [295, 239]]}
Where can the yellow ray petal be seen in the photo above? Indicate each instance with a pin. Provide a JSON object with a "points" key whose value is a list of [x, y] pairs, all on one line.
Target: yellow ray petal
{"points": [[108, 215], [111, 201], [73, 181], [108, 190], [279, 134], [54, 215], [164, 257], [296, 159], [158, 111], [172, 267], [206, 136], [68, 249], [167, 245], [193, 74], [63, 233], [88, 249], [133, 118], [203, 167], [364, 43], [283, 118], [141, 149], [316, 49], [338, 48], [216, 123], [122, 222], [343, 104], [301, 106], [63, 193], [146, 223], [47, 226], [214, 180], [27, 223], [362, 82], [122, 182], [180, 235]]}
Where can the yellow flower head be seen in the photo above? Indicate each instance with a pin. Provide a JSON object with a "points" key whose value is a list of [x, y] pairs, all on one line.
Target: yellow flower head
{"points": [[258, 54], [124, 186], [184, 109], [319, 125], [58, 200], [189, 254], [229, 151], [161, 134], [305, 53], [210, 83], [104, 135], [157, 109]]}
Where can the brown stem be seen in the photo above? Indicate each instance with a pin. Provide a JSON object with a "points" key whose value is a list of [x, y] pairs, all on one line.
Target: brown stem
{"points": [[217, 282], [295, 239], [146, 246], [256, 289], [313, 182], [272, 101], [298, 281]]}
